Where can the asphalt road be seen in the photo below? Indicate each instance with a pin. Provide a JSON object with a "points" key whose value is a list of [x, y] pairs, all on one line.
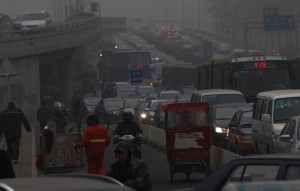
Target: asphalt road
{"points": [[156, 160]]}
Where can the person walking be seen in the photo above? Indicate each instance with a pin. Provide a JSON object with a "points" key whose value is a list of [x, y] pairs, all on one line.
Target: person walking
{"points": [[131, 171], [95, 139], [61, 118], [11, 120], [43, 115]]}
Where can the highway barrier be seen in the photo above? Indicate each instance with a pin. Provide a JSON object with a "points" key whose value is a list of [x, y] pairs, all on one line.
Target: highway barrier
{"points": [[156, 136]]}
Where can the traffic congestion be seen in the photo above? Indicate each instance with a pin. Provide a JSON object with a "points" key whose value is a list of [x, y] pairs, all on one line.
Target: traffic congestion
{"points": [[162, 107]]}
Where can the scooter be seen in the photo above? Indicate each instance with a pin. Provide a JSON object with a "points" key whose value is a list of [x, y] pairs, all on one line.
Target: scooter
{"points": [[134, 142]]}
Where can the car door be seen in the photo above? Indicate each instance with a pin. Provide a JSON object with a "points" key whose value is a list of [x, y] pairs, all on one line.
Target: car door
{"points": [[282, 146]]}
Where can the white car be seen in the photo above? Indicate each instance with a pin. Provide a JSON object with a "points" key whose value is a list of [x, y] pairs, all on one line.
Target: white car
{"points": [[32, 20]]}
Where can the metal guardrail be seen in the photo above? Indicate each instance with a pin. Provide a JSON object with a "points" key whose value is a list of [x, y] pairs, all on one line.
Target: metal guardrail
{"points": [[50, 30], [218, 157]]}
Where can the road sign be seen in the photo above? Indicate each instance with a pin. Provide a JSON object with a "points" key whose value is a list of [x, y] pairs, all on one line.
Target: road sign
{"points": [[273, 21], [136, 76]]}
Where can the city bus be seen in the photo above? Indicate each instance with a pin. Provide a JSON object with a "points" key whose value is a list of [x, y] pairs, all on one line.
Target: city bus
{"points": [[250, 75], [115, 65]]}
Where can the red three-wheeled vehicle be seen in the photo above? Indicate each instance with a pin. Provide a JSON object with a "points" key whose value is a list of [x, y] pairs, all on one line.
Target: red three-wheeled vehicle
{"points": [[188, 140]]}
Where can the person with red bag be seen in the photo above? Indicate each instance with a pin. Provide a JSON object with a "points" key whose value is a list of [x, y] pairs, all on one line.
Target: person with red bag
{"points": [[95, 140]]}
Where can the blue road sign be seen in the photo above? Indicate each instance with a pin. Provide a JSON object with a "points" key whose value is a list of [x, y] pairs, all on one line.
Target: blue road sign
{"points": [[207, 49], [273, 21], [136, 76]]}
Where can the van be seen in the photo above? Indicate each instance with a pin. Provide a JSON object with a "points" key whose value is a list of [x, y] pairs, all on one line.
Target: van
{"points": [[218, 96], [272, 110]]}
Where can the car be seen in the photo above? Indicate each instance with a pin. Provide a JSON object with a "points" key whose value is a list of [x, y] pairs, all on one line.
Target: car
{"points": [[90, 103], [271, 112], [218, 96], [145, 91], [130, 105], [239, 134], [31, 20], [169, 94], [220, 116], [288, 141], [108, 109], [256, 168], [63, 182]]}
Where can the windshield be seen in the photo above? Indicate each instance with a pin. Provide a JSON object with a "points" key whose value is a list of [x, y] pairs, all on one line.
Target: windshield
{"points": [[33, 16], [224, 113], [113, 103], [251, 82], [286, 108], [188, 118], [246, 119], [223, 98], [91, 101], [130, 103]]}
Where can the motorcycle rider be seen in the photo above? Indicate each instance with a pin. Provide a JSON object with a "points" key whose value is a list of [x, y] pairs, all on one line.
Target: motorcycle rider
{"points": [[129, 127]]}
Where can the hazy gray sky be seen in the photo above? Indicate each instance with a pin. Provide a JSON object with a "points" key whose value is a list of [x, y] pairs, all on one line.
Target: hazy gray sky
{"points": [[158, 10]]}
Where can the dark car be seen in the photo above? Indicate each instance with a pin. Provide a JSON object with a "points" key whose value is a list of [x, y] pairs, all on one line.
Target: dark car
{"points": [[239, 136], [221, 115], [272, 167], [62, 182], [109, 109]]}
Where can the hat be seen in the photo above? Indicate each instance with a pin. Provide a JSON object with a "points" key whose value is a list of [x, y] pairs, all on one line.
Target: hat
{"points": [[123, 147]]}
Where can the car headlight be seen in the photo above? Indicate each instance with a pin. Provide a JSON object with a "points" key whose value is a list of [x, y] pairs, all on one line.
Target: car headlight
{"points": [[220, 130], [143, 115]]}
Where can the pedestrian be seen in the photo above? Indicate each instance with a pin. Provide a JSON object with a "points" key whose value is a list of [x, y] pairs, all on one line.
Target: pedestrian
{"points": [[61, 118], [131, 171], [43, 115], [11, 120], [6, 169], [95, 139]]}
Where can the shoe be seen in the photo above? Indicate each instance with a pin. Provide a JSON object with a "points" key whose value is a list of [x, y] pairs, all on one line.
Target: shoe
{"points": [[15, 161]]}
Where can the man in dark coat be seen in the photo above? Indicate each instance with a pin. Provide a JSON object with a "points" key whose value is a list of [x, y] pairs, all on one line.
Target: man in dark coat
{"points": [[11, 120], [43, 115]]}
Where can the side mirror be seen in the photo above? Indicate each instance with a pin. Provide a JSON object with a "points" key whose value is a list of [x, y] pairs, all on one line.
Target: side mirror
{"points": [[285, 138], [266, 118]]}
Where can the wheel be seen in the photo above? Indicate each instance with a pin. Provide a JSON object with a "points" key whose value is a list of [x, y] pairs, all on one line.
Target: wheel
{"points": [[171, 172], [268, 149], [187, 176]]}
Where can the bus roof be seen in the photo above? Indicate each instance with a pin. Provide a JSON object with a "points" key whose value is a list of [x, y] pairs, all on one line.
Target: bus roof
{"points": [[258, 58], [275, 94]]}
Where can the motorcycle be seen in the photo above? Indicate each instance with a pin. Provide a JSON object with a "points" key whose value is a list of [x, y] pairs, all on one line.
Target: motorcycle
{"points": [[133, 142]]}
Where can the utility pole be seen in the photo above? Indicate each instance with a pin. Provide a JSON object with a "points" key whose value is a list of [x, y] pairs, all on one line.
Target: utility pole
{"points": [[198, 14], [183, 13]]}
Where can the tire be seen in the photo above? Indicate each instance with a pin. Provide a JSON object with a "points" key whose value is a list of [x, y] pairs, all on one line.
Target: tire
{"points": [[256, 150], [268, 149], [237, 148], [171, 173]]}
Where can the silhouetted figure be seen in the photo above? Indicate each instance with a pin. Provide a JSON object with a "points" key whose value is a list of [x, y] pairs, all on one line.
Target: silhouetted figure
{"points": [[11, 120], [6, 169]]}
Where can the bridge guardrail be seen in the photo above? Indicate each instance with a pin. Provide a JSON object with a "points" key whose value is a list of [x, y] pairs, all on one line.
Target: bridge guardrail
{"points": [[50, 30], [218, 157]]}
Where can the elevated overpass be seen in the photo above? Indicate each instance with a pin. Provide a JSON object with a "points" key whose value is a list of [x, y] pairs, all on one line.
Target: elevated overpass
{"points": [[46, 61]]}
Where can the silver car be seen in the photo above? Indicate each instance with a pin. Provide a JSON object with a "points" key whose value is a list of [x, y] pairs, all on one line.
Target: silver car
{"points": [[288, 141]]}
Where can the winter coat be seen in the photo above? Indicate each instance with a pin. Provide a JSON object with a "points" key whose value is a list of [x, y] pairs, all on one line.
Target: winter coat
{"points": [[95, 139], [138, 176], [11, 122], [43, 114], [128, 128]]}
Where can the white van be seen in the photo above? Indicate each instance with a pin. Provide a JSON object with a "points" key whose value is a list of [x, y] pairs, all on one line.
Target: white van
{"points": [[218, 96], [271, 111]]}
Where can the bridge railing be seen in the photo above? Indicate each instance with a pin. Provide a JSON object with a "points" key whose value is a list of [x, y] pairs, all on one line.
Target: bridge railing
{"points": [[77, 25]]}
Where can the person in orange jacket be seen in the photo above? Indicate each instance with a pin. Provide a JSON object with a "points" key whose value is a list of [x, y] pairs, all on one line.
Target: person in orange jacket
{"points": [[95, 139]]}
